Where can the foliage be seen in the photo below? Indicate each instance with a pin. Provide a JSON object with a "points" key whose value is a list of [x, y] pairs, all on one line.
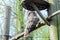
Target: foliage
{"points": [[42, 33], [19, 16]]}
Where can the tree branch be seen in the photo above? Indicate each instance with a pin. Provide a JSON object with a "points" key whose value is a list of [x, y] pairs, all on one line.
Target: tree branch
{"points": [[53, 14], [39, 25], [39, 13], [22, 34]]}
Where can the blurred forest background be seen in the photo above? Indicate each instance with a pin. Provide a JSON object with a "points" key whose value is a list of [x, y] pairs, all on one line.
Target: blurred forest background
{"points": [[13, 18]]}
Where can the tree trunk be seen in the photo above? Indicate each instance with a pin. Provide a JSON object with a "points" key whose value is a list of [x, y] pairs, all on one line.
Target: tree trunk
{"points": [[7, 23], [53, 27]]}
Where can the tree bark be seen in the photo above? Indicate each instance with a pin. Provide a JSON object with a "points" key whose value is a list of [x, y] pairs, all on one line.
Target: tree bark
{"points": [[7, 23]]}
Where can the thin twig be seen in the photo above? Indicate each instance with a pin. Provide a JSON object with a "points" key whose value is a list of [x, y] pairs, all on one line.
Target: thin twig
{"points": [[54, 14], [39, 13]]}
